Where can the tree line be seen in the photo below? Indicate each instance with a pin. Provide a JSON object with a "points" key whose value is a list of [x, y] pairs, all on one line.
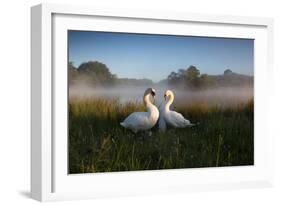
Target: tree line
{"points": [[97, 73], [192, 79]]}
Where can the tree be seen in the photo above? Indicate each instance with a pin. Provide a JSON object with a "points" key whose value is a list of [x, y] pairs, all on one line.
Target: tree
{"points": [[206, 81], [192, 75], [227, 72], [72, 73], [185, 77], [173, 78], [96, 73], [192, 72]]}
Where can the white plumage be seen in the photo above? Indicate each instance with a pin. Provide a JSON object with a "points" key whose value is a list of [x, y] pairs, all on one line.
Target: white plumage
{"points": [[171, 118], [142, 121]]}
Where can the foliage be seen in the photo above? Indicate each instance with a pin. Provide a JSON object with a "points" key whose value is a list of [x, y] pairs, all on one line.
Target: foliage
{"points": [[97, 73], [72, 73], [191, 79], [227, 72], [94, 73]]}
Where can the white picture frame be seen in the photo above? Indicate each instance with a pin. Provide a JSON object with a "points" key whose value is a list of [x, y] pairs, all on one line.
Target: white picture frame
{"points": [[49, 178]]}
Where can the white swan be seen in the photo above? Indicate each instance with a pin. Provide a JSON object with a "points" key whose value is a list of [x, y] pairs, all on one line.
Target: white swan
{"points": [[142, 121], [171, 118]]}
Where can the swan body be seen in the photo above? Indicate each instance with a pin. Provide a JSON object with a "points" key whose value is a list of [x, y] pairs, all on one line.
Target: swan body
{"points": [[142, 121], [171, 118]]}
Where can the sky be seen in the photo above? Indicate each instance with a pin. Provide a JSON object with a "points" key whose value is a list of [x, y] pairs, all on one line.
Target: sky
{"points": [[156, 56]]}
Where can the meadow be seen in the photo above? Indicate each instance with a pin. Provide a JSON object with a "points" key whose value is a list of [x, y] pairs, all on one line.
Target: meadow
{"points": [[224, 136]]}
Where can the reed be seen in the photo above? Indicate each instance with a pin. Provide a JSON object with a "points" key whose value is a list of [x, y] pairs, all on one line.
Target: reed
{"points": [[97, 142]]}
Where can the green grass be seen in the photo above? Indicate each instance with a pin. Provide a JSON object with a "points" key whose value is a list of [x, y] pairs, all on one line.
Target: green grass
{"points": [[97, 142]]}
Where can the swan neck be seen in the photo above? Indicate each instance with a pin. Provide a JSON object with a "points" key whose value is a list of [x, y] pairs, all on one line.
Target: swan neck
{"points": [[170, 101], [147, 102]]}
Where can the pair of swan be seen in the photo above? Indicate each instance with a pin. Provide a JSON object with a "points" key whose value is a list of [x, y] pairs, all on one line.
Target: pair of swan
{"points": [[142, 121]]}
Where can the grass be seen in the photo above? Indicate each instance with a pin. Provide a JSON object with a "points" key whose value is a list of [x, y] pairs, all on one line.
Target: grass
{"points": [[97, 142]]}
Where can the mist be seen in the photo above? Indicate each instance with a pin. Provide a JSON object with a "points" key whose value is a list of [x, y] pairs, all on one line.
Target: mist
{"points": [[223, 96]]}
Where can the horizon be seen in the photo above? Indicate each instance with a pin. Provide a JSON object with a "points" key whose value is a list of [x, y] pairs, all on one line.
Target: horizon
{"points": [[154, 57], [156, 82]]}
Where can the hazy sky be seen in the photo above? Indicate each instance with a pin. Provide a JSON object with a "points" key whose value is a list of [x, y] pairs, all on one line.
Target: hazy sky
{"points": [[156, 56]]}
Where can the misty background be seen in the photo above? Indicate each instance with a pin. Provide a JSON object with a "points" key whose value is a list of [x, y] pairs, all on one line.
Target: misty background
{"points": [[94, 79], [198, 69]]}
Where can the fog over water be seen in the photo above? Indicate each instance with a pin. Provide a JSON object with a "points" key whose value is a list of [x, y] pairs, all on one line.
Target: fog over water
{"points": [[228, 96]]}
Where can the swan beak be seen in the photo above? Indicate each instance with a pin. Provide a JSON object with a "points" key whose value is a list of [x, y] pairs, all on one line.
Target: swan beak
{"points": [[165, 96]]}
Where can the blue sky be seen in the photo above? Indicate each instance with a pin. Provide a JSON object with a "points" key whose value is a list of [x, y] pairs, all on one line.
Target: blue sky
{"points": [[156, 56]]}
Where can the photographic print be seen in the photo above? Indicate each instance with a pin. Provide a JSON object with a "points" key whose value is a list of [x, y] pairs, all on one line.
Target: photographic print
{"points": [[151, 102]]}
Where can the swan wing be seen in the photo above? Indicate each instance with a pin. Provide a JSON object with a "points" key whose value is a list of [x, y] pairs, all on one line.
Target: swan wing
{"points": [[176, 119], [136, 121]]}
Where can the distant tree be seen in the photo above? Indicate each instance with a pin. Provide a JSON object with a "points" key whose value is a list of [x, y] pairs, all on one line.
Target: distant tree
{"points": [[192, 71], [172, 75], [173, 78], [71, 66], [227, 72], [185, 77], [181, 72], [206, 81], [72, 73], [97, 73], [190, 78], [192, 75]]}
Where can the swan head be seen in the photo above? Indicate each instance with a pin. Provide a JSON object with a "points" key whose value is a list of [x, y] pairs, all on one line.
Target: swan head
{"points": [[168, 94], [150, 91]]}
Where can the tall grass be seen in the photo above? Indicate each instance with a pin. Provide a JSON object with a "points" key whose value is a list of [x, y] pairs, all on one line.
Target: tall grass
{"points": [[97, 142]]}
